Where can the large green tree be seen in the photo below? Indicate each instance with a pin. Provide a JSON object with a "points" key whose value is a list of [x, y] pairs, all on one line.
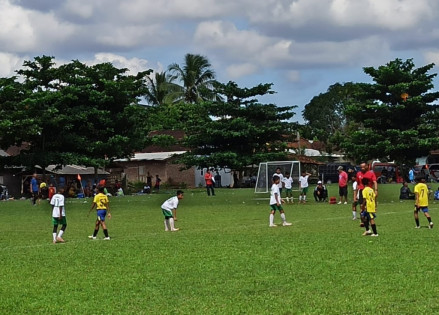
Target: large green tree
{"points": [[394, 118], [239, 131], [196, 76], [72, 114], [325, 114]]}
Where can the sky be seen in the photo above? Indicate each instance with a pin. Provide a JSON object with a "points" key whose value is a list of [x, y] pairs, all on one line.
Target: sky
{"points": [[301, 46]]}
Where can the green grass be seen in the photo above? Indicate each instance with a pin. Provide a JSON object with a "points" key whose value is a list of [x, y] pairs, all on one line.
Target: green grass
{"points": [[224, 260]]}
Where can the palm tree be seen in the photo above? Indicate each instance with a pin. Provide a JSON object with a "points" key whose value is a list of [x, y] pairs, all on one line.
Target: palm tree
{"points": [[197, 78], [161, 89]]}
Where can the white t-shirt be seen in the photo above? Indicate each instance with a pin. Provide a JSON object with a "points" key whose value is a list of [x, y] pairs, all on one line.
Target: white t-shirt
{"points": [[303, 180], [273, 192], [354, 187], [288, 182], [170, 204], [281, 177], [57, 202]]}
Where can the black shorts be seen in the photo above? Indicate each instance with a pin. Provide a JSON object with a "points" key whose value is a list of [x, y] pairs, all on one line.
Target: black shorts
{"points": [[360, 196], [343, 191]]}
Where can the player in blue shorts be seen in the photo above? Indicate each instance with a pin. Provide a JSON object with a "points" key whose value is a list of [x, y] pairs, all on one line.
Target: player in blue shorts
{"points": [[101, 203]]}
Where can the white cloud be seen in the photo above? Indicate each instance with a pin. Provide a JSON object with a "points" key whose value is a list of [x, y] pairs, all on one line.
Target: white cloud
{"points": [[239, 70], [81, 8], [432, 57], [134, 65], [261, 51], [9, 63], [24, 30], [293, 76]]}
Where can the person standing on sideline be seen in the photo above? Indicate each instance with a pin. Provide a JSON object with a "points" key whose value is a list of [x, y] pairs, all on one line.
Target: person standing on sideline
{"points": [[421, 201], [169, 210], [412, 175], [208, 178], [58, 216], [368, 208], [303, 186], [52, 191], [101, 202], [149, 180], [276, 203], [288, 182], [342, 185], [34, 189], [354, 197], [157, 183], [281, 180]]}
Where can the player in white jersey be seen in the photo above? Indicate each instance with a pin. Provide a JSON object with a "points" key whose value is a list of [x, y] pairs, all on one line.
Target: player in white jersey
{"points": [[276, 203], [58, 216], [303, 186], [169, 209], [281, 180], [355, 197], [288, 183]]}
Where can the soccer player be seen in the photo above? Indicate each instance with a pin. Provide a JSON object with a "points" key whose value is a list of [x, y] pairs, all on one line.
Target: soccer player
{"points": [[278, 173], [421, 201], [101, 202], [372, 180], [58, 216], [368, 208], [355, 197], [169, 209], [303, 186], [288, 182], [276, 203]]}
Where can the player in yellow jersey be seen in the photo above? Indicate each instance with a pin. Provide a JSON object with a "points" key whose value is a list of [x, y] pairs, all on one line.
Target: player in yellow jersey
{"points": [[102, 205], [368, 208], [421, 201]]}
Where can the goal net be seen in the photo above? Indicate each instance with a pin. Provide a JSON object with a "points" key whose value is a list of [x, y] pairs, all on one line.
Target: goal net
{"points": [[267, 170]]}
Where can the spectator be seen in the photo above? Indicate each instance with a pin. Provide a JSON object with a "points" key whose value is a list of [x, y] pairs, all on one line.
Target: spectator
{"points": [[405, 193], [342, 185], [209, 183], [412, 175], [157, 183], [320, 192]]}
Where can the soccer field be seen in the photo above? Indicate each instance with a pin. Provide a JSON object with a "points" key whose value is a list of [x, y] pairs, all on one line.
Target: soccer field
{"points": [[224, 260]]}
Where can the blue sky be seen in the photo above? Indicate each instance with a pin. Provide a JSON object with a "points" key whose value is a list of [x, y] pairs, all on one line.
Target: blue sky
{"points": [[301, 46]]}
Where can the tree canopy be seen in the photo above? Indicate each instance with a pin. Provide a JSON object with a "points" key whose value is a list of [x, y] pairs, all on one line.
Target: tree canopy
{"points": [[196, 76], [72, 114], [325, 114], [395, 117], [239, 131]]}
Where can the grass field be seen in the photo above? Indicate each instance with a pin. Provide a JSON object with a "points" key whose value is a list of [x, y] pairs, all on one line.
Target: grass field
{"points": [[224, 260]]}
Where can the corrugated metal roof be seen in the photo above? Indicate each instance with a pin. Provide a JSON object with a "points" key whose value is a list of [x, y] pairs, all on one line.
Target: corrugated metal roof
{"points": [[3, 153], [75, 169], [156, 156]]}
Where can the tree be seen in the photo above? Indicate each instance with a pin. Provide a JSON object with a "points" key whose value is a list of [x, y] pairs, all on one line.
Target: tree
{"points": [[73, 114], [197, 78], [394, 118], [239, 131], [325, 114], [162, 90]]}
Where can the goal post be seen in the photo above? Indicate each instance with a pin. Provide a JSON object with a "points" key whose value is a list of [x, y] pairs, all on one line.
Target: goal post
{"points": [[267, 169]]}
